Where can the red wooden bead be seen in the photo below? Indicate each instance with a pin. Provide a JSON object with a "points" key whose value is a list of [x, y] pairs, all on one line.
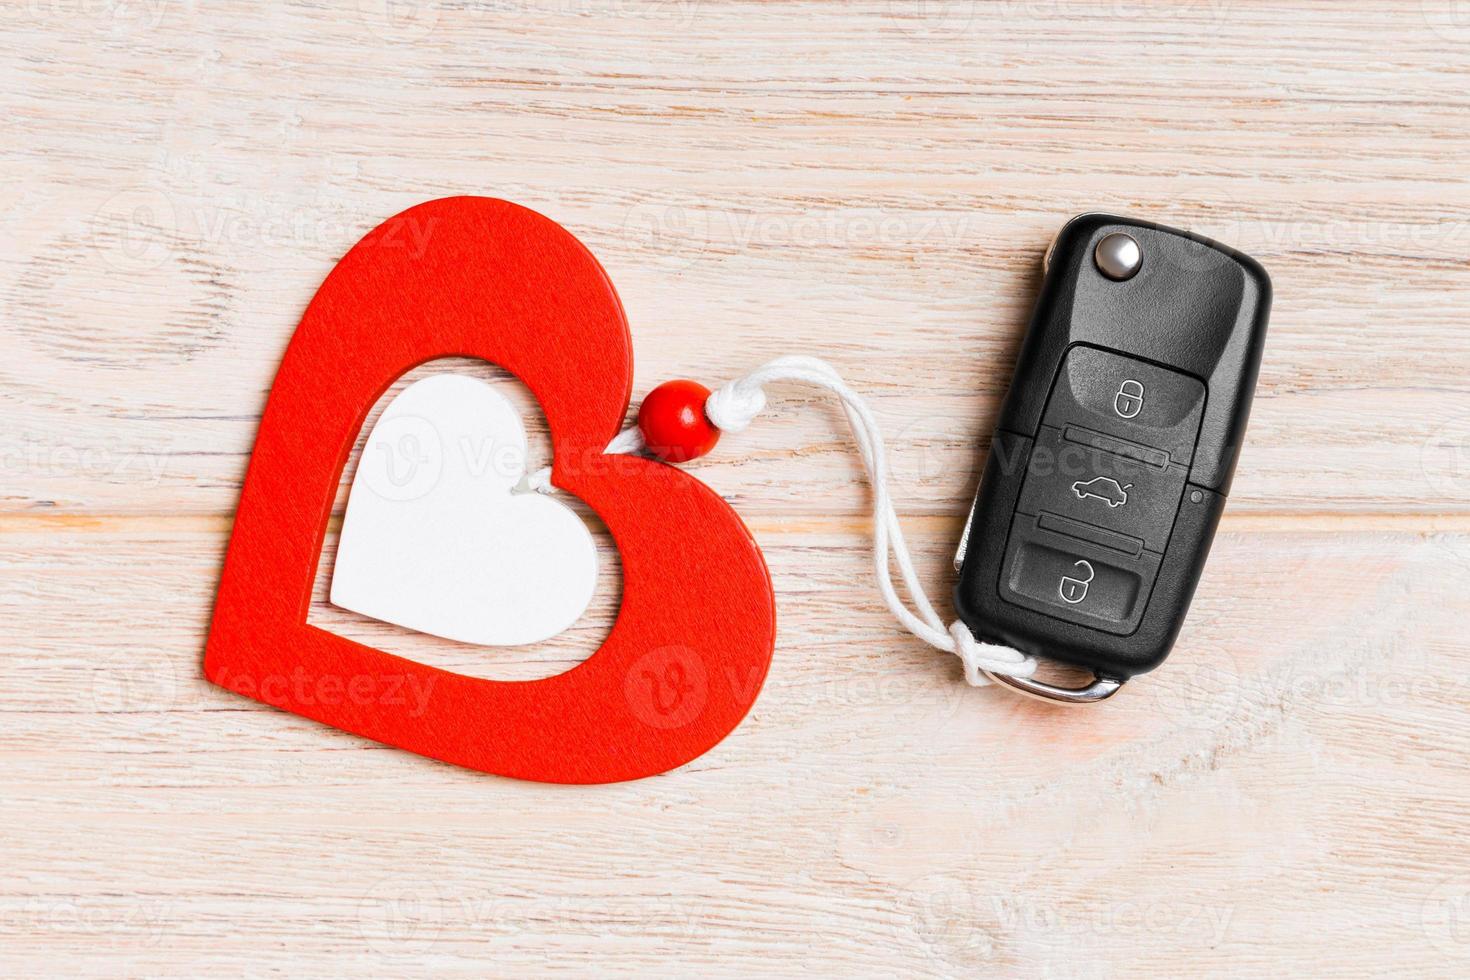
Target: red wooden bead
{"points": [[673, 422]]}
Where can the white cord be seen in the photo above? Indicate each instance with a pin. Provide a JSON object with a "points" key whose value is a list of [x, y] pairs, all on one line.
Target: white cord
{"points": [[733, 407]]}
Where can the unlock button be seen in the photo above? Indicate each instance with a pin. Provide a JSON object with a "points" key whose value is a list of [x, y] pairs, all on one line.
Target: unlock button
{"points": [[1073, 589], [1076, 580]]}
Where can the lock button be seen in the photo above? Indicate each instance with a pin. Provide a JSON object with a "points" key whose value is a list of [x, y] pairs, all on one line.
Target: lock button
{"points": [[1128, 399], [1128, 402]]}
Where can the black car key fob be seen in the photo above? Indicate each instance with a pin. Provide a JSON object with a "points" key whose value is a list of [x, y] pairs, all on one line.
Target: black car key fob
{"points": [[1114, 450]]}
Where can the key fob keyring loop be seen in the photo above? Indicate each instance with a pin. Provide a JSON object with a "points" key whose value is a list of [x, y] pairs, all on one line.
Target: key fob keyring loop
{"points": [[1100, 689]]}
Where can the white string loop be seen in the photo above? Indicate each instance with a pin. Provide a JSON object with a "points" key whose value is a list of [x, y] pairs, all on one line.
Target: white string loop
{"points": [[735, 405]]}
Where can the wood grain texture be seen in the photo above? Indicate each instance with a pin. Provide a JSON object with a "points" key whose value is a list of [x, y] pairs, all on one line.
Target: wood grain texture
{"points": [[874, 182]]}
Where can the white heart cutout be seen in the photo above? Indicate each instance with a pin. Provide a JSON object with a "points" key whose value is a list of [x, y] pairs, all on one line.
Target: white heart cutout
{"points": [[435, 540]]}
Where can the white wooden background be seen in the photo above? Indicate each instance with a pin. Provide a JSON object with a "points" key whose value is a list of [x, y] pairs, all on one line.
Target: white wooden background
{"points": [[874, 182]]}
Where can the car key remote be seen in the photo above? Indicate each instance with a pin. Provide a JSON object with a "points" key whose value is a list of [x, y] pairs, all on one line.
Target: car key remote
{"points": [[1114, 450]]}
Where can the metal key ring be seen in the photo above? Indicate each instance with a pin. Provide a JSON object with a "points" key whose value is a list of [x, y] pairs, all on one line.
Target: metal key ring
{"points": [[1100, 689]]}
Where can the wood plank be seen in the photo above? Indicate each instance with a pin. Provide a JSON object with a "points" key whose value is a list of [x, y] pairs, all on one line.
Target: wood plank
{"points": [[895, 204], [913, 823]]}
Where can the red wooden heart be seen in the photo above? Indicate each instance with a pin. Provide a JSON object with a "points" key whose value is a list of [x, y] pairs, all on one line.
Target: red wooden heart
{"points": [[693, 637]]}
